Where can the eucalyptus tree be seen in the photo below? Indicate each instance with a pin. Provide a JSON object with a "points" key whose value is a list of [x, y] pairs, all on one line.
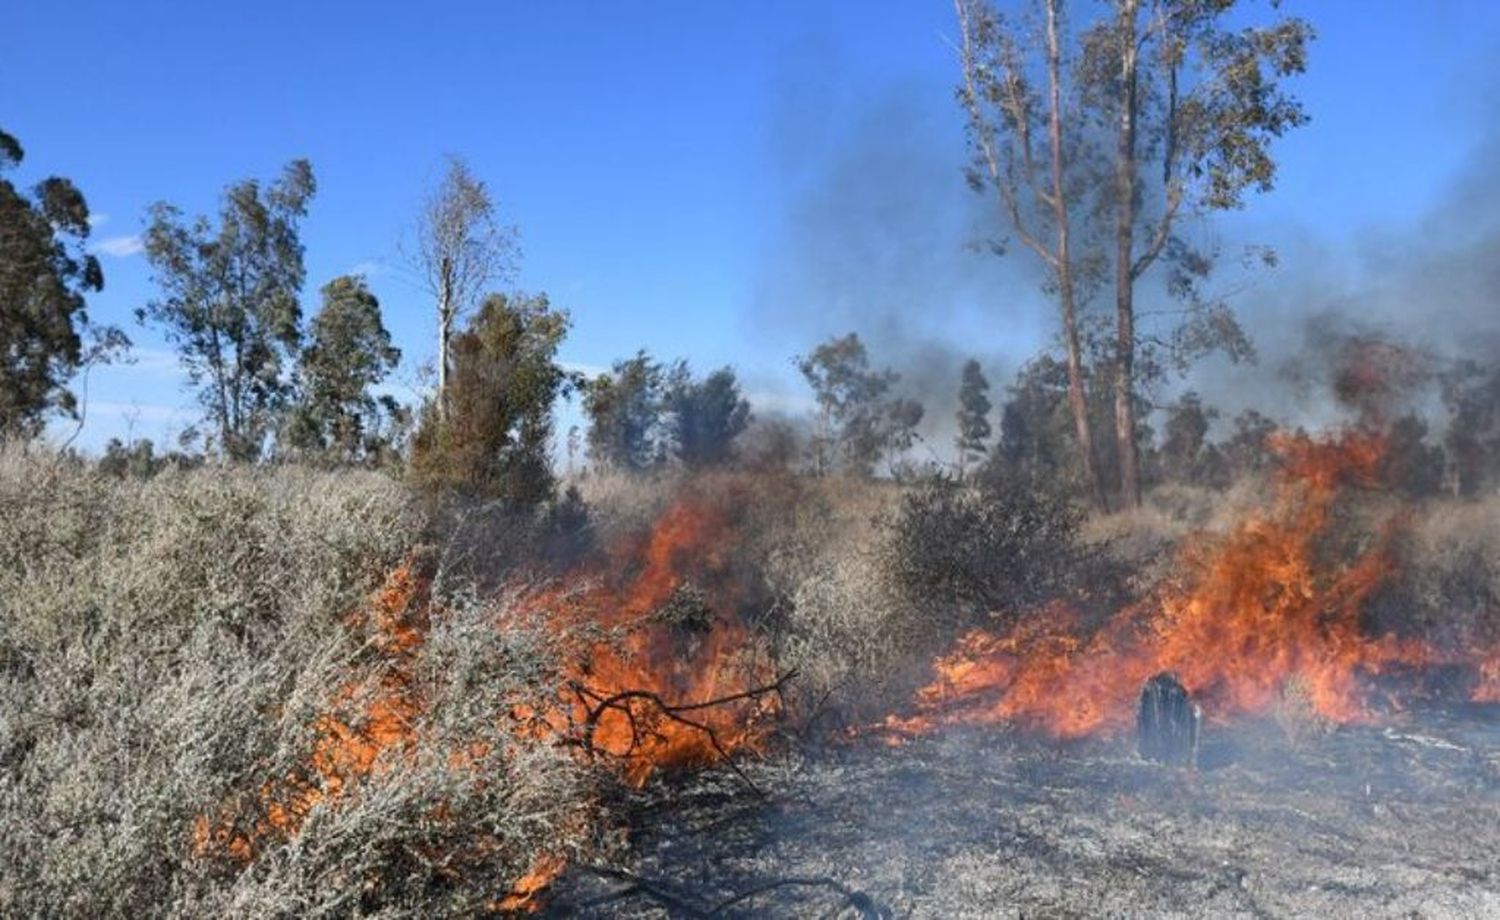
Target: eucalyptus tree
{"points": [[1198, 102], [348, 352], [1031, 150], [46, 274], [229, 301], [461, 250], [859, 420]]}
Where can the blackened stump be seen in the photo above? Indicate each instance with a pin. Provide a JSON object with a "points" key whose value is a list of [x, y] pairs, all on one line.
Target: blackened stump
{"points": [[1167, 723]]}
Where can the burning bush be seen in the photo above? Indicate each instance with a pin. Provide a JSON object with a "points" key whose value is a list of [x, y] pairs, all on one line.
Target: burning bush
{"points": [[160, 642], [1258, 613], [419, 795]]}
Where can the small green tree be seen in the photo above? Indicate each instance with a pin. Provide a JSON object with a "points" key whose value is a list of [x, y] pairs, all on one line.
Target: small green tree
{"points": [[1037, 431], [1247, 449], [229, 301], [1186, 454], [348, 352], [706, 416], [495, 436], [626, 410], [973, 414], [859, 421], [45, 275]]}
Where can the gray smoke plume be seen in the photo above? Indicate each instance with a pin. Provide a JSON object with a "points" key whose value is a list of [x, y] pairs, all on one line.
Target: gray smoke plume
{"points": [[880, 235]]}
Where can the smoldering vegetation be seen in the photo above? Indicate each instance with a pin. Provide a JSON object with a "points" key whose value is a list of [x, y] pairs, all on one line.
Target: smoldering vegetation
{"points": [[1396, 821]]}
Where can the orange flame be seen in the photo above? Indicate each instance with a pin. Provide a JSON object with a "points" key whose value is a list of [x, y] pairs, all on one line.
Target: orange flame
{"points": [[1261, 608], [636, 687], [526, 894], [342, 752], [614, 690]]}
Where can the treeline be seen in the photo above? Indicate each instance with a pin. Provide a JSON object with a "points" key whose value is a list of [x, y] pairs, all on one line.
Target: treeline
{"points": [[276, 386]]}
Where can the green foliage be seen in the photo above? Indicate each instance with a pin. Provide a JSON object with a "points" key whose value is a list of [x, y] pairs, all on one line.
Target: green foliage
{"points": [[229, 301], [45, 275], [988, 548], [1186, 456], [706, 416], [494, 437], [139, 459], [859, 421], [348, 352], [628, 430], [973, 412]]}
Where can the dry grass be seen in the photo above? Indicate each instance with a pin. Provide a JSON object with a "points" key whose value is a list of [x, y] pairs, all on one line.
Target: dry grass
{"points": [[1296, 716], [167, 646], [1453, 562]]}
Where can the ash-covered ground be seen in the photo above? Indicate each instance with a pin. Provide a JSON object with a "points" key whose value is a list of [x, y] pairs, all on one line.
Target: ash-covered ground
{"points": [[1401, 820]]}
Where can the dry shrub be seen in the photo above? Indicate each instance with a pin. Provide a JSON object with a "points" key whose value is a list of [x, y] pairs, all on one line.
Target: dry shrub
{"points": [[627, 502], [167, 647], [1145, 542], [845, 629], [446, 823], [1296, 715], [833, 617], [1452, 577], [976, 552]]}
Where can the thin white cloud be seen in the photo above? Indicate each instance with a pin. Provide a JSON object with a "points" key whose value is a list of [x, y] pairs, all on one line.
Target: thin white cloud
{"points": [[138, 412], [587, 370], [369, 268], [98, 220], [121, 246], [151, 361]]}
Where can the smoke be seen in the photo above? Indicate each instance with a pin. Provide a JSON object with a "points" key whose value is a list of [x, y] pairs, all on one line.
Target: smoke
{"points": [[1413, 298], [878, 233]]}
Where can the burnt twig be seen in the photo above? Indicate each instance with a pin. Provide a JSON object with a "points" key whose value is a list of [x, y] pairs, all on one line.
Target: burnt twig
{"points": [[622, 702]]}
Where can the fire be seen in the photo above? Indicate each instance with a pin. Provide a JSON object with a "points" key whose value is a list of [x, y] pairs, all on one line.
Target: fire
{"points": [[343, 752], [524, 896], [643, 687], [1258, 608], [646, 696], [1488, 690]]}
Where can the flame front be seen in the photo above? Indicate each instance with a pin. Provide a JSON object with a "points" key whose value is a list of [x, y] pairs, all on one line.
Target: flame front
{"points": [[1259, 609], [637, 690], [614, 689]]}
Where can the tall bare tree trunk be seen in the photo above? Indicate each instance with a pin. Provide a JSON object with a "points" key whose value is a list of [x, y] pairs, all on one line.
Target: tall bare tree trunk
{"points": [[446, 309], [1077, 399], [1125, 180]]}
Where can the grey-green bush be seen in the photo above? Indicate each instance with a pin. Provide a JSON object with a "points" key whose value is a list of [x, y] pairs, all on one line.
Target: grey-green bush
{"points": [[166, 647]]}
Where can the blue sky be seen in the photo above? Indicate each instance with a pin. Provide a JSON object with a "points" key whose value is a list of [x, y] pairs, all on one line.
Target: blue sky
{"points": [[727, 182]]}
